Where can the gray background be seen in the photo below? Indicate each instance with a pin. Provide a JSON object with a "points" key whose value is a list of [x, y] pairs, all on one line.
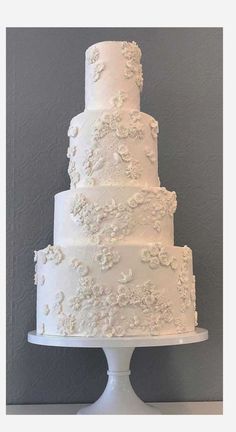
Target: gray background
{"points": [[183, 90]]}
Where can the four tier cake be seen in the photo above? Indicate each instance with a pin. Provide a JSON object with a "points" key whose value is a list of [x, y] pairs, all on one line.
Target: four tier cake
{"points": [[113, 269]]}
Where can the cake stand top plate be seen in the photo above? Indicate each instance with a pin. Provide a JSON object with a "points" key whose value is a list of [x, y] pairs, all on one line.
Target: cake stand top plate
{"points": [[198, 335]]}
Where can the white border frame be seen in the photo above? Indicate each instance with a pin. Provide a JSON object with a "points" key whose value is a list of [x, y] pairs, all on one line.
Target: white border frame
{"points": [[203, 13]]}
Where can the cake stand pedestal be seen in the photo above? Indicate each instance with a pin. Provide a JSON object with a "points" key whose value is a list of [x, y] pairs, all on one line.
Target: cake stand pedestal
{"points": [[118, 396]]}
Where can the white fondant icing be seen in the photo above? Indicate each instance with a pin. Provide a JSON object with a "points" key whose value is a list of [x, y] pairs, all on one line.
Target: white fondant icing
{"points": [[114, 214], [98, 297], [113, 269], [124, 133]]}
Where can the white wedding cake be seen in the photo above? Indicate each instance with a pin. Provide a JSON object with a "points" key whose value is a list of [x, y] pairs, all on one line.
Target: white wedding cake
{"points": [[113, 269]]}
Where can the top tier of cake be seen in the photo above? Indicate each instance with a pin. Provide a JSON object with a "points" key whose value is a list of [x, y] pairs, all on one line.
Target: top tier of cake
{"points": [[111, 67]]}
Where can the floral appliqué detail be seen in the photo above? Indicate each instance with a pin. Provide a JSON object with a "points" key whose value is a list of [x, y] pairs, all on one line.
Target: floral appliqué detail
{"points": [[93, 55], [150, 309], [98, 69], [115, 220], [123, 153], [135, 116], [79, 267], [187, 296], [179, 325], [75, 303], [154, 128], [41, 329], [87, 289], [92, 58], [156, 255], [133, 68], [46, 309], [58, 305], [126, 277], [193, 299], [118, 100], [134, 170], [107, 257], [71, 151], [94, 161], [73, 174], [112, 123], [66, 324], [72, 131], [38, 279], [149, 153], [54, 254]]}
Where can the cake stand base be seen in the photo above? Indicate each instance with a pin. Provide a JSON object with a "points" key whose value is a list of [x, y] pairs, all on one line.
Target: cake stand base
{"points": [[118, 396]]}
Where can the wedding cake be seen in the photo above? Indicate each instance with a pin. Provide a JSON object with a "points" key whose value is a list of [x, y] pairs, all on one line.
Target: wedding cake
{"points": [[113, 269]]}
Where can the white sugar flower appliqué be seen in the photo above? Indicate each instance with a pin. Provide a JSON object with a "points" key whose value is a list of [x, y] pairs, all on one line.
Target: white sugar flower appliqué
{"points": [[72, 131], [114, 220], [66, 324], [135, 116], [41, 329], [60, 296], [133, 68], [154, 128], [185, 285], [94, 161], [150, 155], [46, 309], [119, 99], [98, 69], [80, 267], [54, 254], [126, 277], [57, 308], [107, 257], [133, 170], [73, 174], [156, 255], [75, 303], [71, 151], [93, 55]]}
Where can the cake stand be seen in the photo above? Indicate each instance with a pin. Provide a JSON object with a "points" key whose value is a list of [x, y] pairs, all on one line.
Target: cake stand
{"points": [[118, 396]]}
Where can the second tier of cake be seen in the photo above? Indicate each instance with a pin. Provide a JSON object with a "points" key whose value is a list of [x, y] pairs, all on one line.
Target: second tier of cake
{"points": [[113, 147]]}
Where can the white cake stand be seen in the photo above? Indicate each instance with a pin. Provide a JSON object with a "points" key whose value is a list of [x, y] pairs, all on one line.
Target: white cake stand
{"points": [[118, 396]]}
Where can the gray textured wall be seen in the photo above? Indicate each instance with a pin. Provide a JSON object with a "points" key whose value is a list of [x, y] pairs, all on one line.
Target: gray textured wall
{"points": [[183, 90]]}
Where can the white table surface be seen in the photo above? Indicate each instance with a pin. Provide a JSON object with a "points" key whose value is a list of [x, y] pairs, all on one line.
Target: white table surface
{"points": [[167, 408]]}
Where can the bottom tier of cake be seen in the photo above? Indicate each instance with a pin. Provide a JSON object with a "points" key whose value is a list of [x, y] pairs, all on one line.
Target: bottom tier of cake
{"points": [[127, 290]]}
